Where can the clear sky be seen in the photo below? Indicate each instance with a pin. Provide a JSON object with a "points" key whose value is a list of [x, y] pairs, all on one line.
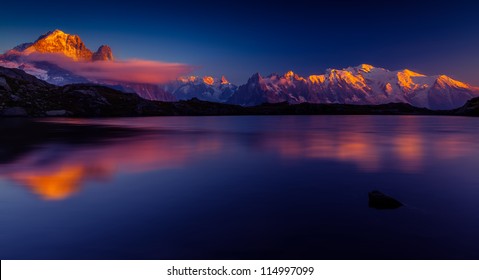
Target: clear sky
{"points": [[239, 38]]}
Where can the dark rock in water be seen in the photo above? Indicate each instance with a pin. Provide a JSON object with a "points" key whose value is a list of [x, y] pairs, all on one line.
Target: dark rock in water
{"points": [[378, 200]]}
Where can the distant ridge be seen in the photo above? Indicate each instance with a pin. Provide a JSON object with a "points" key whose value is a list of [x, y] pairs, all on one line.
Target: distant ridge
{"points": [[23, 95], [361, 85]]}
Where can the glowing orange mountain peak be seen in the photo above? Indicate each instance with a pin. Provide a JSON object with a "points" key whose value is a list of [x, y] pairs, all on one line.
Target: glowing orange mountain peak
{"points": [[224, 81], [366, 67], [186, 79], [71, 46], [208, 80], [444, 80], [412, 73], [289, 74]]}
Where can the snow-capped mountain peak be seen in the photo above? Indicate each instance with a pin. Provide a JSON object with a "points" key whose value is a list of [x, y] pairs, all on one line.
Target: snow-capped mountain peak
{"points": [[207, 88], [224, 81], [412, 73], [366, 68], [289, 75], [363, 84], [208, 80], [444, 81], [59, 42]]}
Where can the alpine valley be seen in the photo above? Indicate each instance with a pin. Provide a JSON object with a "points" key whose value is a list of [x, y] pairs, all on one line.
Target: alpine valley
{"points": [[361, 85]]}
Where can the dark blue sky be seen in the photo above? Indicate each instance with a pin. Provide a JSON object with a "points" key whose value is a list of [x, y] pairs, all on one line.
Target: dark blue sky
{"points": [[239, 38]]}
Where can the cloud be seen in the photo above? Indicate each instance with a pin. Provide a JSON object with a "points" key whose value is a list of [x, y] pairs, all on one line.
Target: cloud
{"points": [[125, 71]]}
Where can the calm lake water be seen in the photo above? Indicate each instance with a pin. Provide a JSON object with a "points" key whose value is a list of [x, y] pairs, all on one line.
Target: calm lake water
{"points": [[285, 187]]}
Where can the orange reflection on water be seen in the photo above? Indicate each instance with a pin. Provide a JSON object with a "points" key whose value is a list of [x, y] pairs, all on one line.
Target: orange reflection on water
{"points": [[360, 149], [405, 146], [345, 147], [58, 184], [398, 149], [409, 152], [63, 177]]}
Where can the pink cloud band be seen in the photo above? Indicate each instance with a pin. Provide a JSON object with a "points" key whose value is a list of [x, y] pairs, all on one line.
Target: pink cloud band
{"points": [[127, 71]]}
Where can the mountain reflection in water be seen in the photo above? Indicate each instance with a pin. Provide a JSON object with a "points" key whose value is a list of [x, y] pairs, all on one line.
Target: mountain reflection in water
{"points": [[54, 170], [251, 187]]}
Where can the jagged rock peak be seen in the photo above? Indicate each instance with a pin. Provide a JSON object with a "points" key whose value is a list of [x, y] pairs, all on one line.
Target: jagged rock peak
{"points": [[256, 77], [59, 42], [104, 53]]}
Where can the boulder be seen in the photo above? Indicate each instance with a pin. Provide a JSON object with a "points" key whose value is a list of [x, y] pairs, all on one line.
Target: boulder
{"points": [[380, 201]]}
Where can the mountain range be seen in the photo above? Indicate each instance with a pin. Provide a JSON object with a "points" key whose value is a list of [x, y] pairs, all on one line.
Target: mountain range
{"points": [[22, 94], [205, 88], [361, 85]]}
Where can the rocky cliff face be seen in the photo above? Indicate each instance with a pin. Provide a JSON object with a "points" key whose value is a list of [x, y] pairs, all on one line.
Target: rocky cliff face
{"points": [[59, 42], [103, 53]]}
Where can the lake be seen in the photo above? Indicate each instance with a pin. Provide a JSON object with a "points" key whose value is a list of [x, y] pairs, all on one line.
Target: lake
{"points": [[250, 187]]}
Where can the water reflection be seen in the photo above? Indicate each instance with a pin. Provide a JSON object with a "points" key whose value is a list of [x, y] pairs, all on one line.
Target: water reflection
{"points": [[56, 170], [344, 146], [404, 146], [59, 183]]}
